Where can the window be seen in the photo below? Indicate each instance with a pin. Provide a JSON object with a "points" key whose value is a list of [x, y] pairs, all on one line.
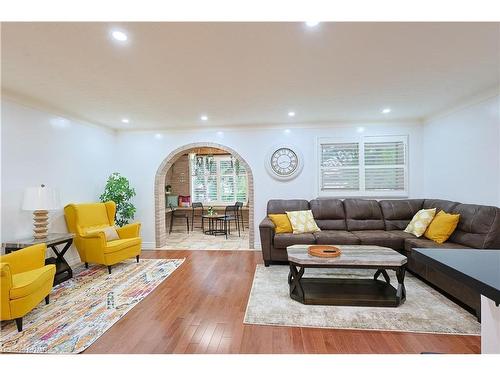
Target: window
{"points": [[370, 166], [217, 179]]}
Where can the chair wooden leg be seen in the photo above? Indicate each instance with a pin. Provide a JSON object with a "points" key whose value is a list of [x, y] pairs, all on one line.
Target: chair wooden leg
{"points": [[47, 300], [137, 258], [187, 223], [109, 270], [171, 223], [19, 324], [192, 222], [86, 265]]}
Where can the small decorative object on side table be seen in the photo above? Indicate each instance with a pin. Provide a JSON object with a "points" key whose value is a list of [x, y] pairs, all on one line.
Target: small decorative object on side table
{"points": [[63, 270]]}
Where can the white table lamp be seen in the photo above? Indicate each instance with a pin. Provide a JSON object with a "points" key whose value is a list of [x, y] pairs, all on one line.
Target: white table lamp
{"points": [[40, 200]]}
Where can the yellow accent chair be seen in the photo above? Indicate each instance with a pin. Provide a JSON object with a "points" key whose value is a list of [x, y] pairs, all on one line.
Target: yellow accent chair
{"points": [[25, 281], [85, 220]]}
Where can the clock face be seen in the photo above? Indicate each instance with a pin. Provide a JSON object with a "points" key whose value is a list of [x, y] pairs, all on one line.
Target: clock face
{"points": [[284, 162]]}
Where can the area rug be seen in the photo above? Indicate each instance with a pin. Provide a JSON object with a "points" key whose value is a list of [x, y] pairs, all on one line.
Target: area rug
{"points": [[425, 309], [84, 307]]}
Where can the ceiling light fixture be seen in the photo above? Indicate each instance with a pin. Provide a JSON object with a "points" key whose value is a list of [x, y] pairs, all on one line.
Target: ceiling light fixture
{"points": [[119, 36], [386, 111], [291, 114], [204, 118], [312, 23]]}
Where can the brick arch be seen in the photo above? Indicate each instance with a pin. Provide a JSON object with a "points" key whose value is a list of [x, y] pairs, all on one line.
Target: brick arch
{"points": [[160, 222]]}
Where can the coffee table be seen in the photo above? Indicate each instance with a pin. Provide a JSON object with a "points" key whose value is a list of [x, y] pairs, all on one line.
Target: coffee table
{"points": [[348, 291]]}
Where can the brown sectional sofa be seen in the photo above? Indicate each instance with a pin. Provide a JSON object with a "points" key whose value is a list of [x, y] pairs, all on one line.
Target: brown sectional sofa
{"points": [[372, 222]]}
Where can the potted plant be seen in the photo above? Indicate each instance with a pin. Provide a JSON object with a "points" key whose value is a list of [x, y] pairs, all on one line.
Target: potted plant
{"points": [[118, 190]]}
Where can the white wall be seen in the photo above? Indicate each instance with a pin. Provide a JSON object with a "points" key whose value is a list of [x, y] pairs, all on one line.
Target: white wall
{"points": [[141, 153], [462, 154], [38, 147]]}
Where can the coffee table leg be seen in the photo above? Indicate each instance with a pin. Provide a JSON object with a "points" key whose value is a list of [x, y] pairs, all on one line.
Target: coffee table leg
{"points": [[401, 292], [384, 274], [294, 280]]}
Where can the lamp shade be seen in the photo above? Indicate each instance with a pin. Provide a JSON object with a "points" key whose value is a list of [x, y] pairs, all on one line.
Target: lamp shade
{"points": [[41, 198]]}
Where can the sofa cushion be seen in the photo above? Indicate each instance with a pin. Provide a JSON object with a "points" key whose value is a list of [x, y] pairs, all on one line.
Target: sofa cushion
{"points": [[363, 214], [413, 243], [328, 213], [284, 240], [401, 233], [380, 238], [440, 205], [478, 227], [280, 206], [398, 212], [336, 237]]}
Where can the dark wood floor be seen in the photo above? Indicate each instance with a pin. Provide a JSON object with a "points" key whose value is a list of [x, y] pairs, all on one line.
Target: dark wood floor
{"points": [[200, 309]]}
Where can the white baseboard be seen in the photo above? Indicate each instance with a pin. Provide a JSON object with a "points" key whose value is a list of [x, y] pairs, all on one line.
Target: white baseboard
{"points": [[148, 245]]}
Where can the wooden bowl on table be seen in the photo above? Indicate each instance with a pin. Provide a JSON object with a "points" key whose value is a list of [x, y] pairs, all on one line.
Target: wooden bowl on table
{"points": [[324, 251]]}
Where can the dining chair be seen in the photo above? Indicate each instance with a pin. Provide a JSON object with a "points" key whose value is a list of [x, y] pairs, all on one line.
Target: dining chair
{"points": [[240, 214], [194, 206], [230, 214], [177, 214]]}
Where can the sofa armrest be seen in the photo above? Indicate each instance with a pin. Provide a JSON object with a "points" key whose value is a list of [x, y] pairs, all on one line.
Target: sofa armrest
{"points": [[129, 230], [266, 229]]}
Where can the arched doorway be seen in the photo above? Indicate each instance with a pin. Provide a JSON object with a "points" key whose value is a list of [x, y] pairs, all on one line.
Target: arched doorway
{"points": [[160, 221]]}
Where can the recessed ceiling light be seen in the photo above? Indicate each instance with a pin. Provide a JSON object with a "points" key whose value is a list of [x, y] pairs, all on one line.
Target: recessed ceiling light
{"points": [[291, 114], [386, 111], [204, 118], [125, 120], [119, 35], [312, 23]]}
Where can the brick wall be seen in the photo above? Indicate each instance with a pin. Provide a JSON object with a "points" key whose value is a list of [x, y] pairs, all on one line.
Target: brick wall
{"points": [[178, 176]]}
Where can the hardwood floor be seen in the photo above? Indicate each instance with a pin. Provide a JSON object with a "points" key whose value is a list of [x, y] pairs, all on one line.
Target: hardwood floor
{"points": [[200, 309]]}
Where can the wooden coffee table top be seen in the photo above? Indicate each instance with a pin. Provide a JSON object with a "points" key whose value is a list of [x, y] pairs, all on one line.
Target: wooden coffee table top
{"points": [[352, 255]]}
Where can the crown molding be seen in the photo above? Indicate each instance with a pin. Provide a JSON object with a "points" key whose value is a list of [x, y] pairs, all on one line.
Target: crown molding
{"points": [[462, 104], [277, 126], [36, 104]]}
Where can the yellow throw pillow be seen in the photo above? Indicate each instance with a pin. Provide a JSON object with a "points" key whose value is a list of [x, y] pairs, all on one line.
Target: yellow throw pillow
{"points": [[302, 221], [442, 227], [420, 222], [281, 223]]}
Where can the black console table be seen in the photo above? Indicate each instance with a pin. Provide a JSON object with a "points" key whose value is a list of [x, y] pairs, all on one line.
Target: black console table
{"points": [[53, 240], [479, 269]]}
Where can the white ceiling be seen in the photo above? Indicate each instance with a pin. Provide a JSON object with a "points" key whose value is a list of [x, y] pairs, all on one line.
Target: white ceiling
{"points": [[240, 74]]}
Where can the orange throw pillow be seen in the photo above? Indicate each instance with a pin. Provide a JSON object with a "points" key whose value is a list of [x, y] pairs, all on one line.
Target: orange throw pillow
{"points": [[442, 227]]}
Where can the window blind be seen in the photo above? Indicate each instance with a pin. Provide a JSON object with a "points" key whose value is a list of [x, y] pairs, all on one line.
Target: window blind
{"points": [[339, 166], [367, 166]]}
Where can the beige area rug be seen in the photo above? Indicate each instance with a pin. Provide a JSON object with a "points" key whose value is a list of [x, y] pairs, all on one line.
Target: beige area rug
{"points": [[425, 309], [197, 240], [84, 307]]}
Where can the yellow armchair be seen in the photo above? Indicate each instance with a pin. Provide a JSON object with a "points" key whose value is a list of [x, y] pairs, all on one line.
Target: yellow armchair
{"points": [[25, 281], [85, 220]]}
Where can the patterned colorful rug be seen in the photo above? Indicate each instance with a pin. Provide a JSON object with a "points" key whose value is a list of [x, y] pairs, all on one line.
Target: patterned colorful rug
{"points": [[84, 307]]}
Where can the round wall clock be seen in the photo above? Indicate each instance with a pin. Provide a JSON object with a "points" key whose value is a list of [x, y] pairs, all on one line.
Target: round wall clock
{"points": [[284, 162]]}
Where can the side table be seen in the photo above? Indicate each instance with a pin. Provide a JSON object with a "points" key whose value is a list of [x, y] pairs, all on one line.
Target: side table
{"points": [[63, 270]]}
